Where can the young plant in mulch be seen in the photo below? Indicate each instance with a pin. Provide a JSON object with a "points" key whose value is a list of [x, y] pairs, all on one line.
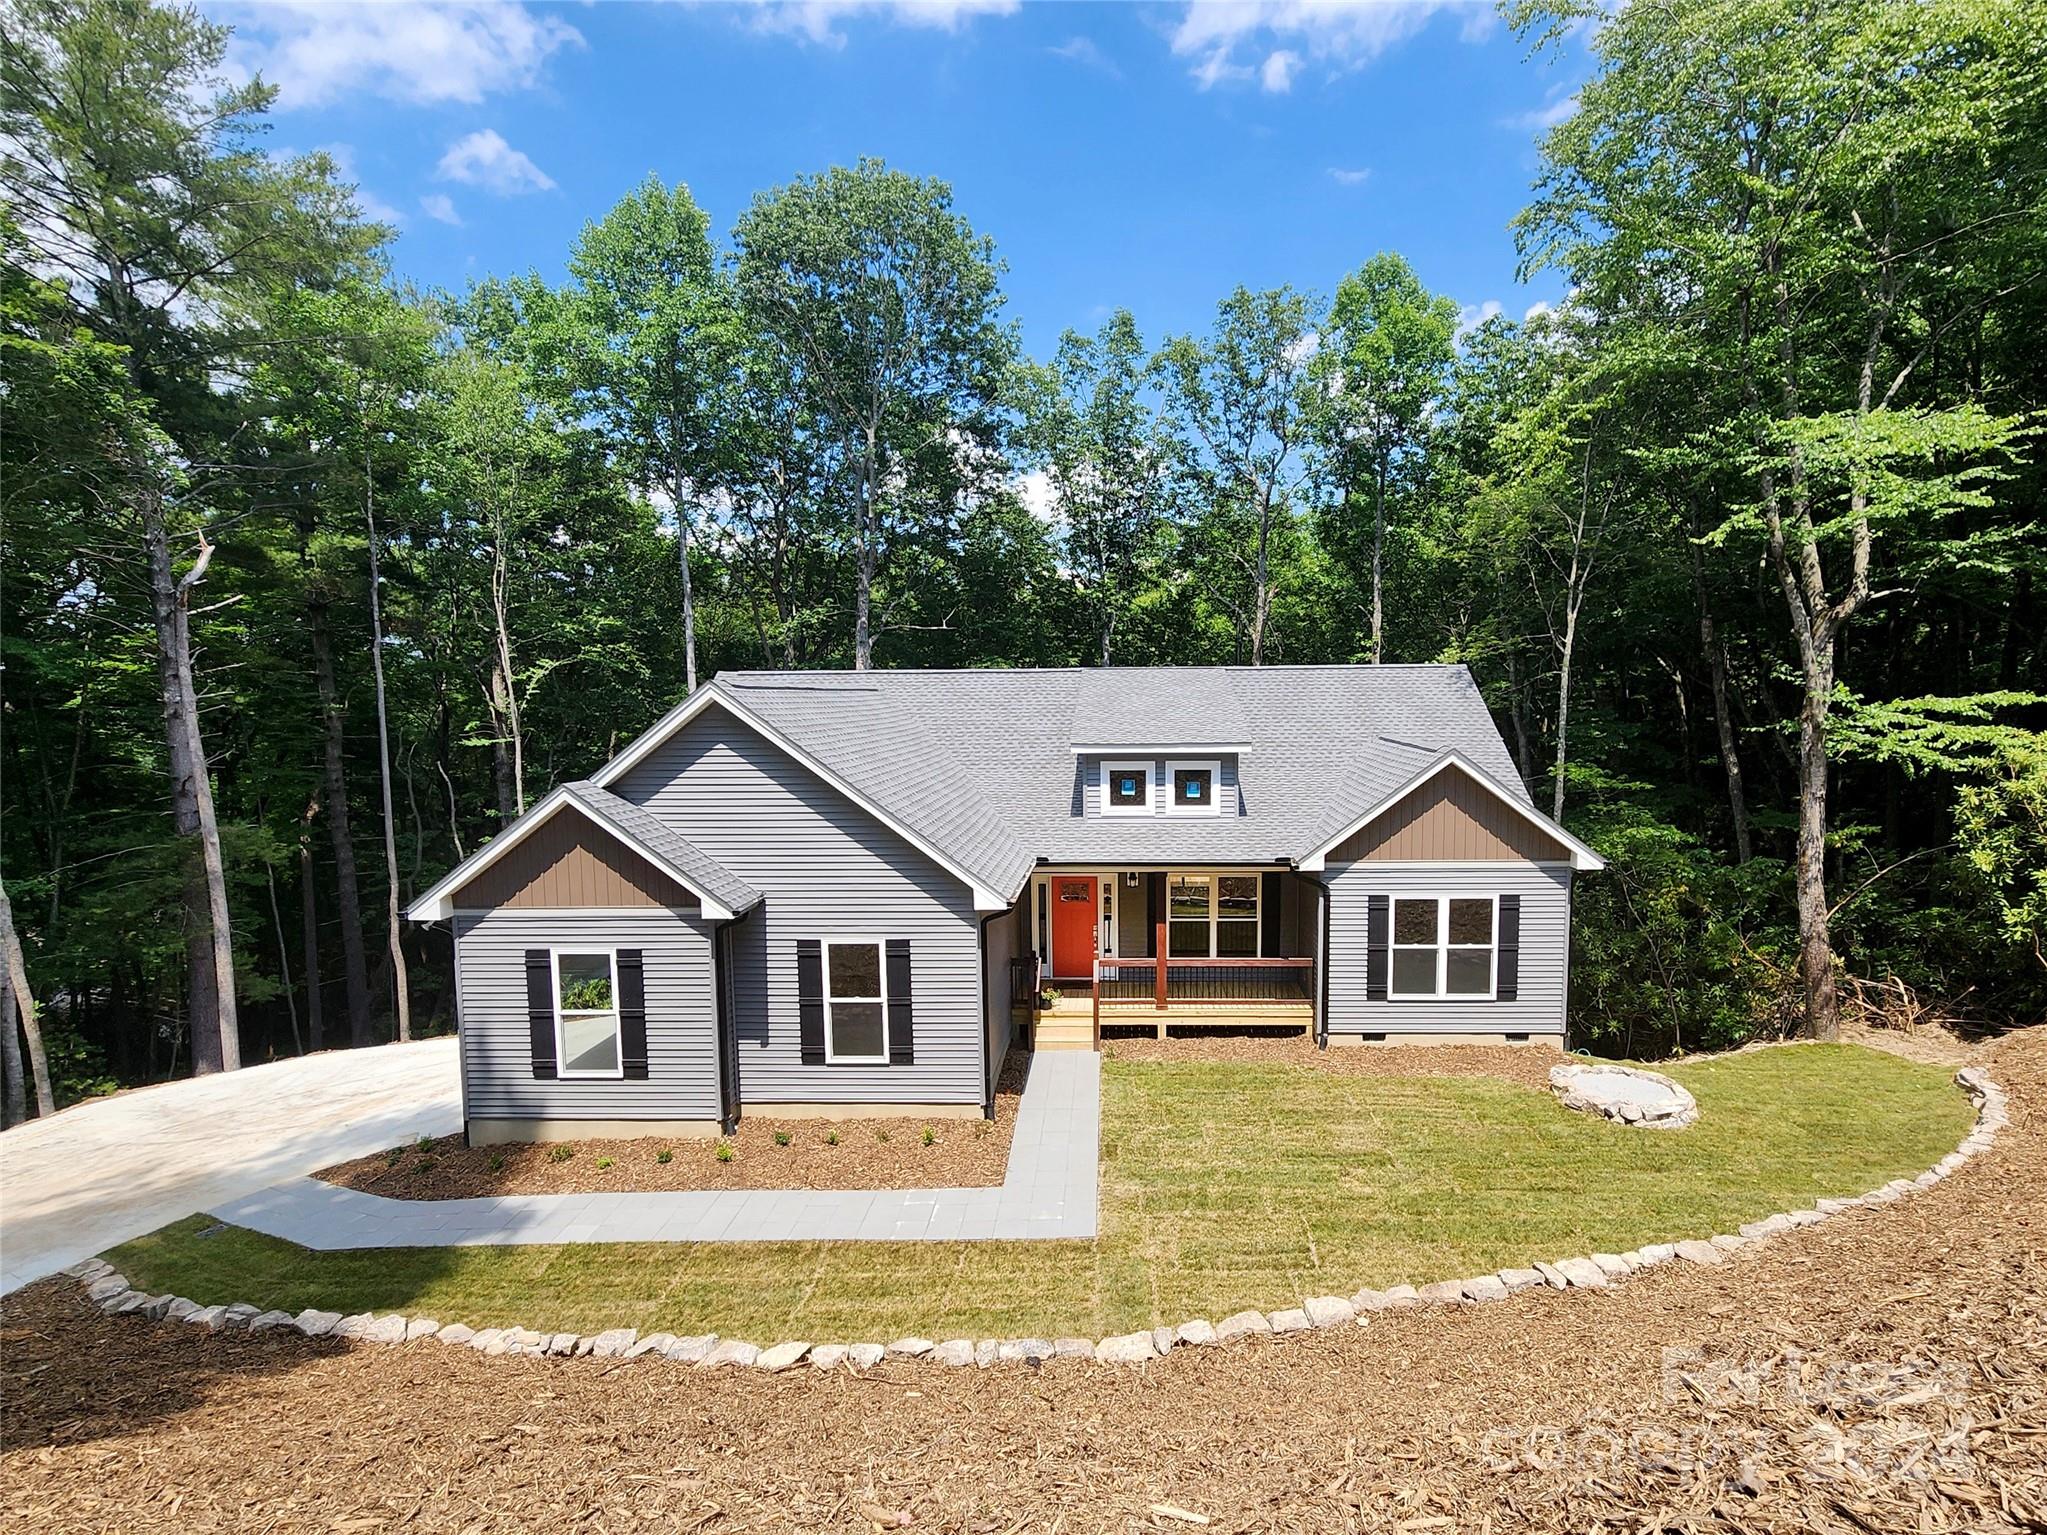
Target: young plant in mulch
{"points": [[561, 1151], [882, 1136], [724, 1153], [423, 1165], [497, 1161], [930, 1136], [603, 1163], [664, 1156], [831, 1137], [782, 1137]]}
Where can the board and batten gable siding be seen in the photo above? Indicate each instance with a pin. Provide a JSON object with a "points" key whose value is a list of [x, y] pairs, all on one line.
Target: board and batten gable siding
{"points": [[827, 869], [497, 1054], [1452, 817], [1545, 892], [567, 861], [1089, 783]]}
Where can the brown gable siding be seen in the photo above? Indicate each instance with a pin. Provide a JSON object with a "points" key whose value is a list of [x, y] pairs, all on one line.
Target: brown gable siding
{"points": [[567, 861], [1451, 817]]}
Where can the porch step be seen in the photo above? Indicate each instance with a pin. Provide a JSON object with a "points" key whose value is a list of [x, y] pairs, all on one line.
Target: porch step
{"points": [[1056, 1033]]}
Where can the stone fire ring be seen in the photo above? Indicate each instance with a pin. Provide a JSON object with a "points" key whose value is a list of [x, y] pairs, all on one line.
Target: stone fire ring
{"points": [[1625, 1095]]}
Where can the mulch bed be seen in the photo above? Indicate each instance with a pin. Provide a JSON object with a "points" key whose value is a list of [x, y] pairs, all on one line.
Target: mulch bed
{"points": [[1527, 1064], [819, 1154], [1889, 1373]]}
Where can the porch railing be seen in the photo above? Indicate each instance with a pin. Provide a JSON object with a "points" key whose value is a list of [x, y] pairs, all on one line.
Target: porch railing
{"points": [[1163, 982], [1026, 976]]}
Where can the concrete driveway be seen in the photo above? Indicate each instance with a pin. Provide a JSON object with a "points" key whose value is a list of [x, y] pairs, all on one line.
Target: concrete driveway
{"points": [[105, 1171]]}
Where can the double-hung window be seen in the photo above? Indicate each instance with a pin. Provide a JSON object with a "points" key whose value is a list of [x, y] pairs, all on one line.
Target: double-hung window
{"points": [[856, 1006], [586, 1013], [1443, 946], [1212, 916]]}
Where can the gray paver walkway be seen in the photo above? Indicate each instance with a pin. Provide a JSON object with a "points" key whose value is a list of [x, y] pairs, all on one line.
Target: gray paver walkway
{"points": [[1049, 1190]]}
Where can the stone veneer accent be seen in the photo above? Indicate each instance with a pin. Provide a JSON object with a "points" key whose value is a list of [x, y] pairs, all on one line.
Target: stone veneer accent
{"points": [[112, 1293]]}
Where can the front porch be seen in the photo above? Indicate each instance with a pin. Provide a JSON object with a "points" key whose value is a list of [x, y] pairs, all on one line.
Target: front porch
{"points": [[1123, 950]]}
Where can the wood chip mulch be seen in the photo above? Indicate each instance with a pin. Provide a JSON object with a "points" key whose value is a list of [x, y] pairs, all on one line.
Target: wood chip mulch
{"points": [[818, 1154], [1883, 1372]]}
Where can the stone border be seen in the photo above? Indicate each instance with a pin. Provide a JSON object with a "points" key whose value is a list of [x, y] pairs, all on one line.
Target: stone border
{"points": [[1564, 1078], [113, 1294]]}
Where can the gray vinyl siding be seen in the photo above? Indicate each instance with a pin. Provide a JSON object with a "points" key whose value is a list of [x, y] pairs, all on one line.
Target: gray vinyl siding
{"points": [[827, 870], [1005, 942], [1545, 893], [497, 1055], [1089, 787]]}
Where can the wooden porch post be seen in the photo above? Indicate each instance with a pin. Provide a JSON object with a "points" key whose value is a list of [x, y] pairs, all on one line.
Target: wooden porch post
{"points": [[1158, 965]]}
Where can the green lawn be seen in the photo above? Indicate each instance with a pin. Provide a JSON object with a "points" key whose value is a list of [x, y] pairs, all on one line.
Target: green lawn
{"points": [[1223, 1186]]}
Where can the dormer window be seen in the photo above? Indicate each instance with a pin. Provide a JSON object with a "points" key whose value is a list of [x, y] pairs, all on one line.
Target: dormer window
{"points": [[1193, 788], [1126, 788]]}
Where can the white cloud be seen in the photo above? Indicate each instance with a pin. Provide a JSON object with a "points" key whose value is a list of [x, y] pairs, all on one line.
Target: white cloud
{"points": [[1035, 491], [440, 207], [1472, 316], [315, 51], [1083, 51], [484, 159], [1561, 107], [817, 21], [1345, 176], [1339, 34], [1538, 310], [1277, 72]]}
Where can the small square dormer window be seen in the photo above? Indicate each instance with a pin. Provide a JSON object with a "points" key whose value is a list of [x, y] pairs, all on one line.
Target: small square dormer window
{"points": [[1126, 788], [1193, 788]]}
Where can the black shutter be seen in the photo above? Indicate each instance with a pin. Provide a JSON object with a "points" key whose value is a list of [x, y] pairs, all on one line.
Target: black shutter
{"points": [[540, 1011], [902, 1041], [632, 1015], [1154, 903], [1268, 916], [1509, 987], [1376, 922], [810, 1000]]}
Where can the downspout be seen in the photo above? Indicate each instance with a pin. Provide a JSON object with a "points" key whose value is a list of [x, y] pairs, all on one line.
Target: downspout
{"points": [[724, 1032], [1322, 965], [991, 1068]]}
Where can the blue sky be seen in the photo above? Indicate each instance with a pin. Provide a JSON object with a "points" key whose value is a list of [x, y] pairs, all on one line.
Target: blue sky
{"points": [[1147, 156]]}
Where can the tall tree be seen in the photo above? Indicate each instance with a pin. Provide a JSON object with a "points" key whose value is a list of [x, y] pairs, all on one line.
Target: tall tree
{"points": [[885, 306], [127, 161], [1244, 405], [1384, 361], [1810, 178], [1093, 428]]}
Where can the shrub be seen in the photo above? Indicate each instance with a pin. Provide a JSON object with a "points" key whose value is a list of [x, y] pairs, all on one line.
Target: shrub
{"points": [[664, 1156], [560, 1152], [781, 1137], [603, 1163], [724, 1152], [930, 1136]]}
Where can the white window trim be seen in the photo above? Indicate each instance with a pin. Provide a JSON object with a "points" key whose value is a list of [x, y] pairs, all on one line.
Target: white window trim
{"points": [[1110, 768], [1215, 877], [831, 1054], [561, 1053], [1442, 947], [1215, 786]]}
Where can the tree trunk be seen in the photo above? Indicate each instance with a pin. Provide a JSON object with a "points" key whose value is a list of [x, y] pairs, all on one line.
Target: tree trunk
{"points": [[689, 604], [1570, 644], [25, 1005], [13, 1095], [209, 941], [1723, 718], [401, 1000], [1378, 562], [309, 929], [298, 1043], [1815, 938], [863, 558], [504, 684], [334, 781]]}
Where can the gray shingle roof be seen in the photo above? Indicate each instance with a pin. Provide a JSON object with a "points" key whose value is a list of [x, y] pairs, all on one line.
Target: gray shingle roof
{"points": [[981, 763], [636, 823]]}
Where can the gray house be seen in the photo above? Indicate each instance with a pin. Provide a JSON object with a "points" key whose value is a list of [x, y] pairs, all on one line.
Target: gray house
{"points": [[843, 893]]}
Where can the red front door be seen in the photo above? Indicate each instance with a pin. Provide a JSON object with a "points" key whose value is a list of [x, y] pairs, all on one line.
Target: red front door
{"points": [[1073, 928]]}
